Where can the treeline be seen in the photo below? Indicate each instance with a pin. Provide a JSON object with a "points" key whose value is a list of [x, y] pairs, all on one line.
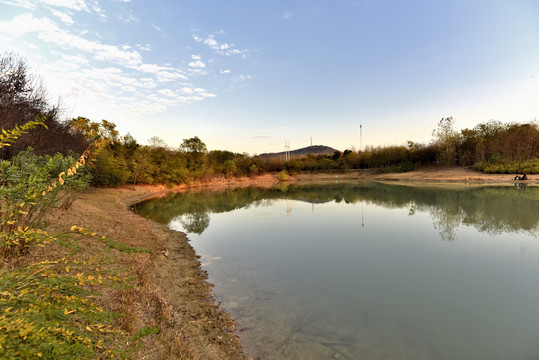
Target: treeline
{"points": [[126, 161], [491, 147]]}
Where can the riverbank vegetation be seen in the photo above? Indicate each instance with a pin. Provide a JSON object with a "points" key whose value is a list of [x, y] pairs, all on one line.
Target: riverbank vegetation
{"points": [[490, 147]]}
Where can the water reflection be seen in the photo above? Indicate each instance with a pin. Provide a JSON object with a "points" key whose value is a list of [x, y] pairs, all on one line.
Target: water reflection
{"points": [[490, 209], [350, 270]]}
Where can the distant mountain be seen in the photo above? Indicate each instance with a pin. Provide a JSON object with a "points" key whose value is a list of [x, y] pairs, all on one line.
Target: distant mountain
{"points": [[313, 149]]}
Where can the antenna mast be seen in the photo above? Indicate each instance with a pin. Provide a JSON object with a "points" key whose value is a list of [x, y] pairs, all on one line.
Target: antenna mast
{"points": [[360, 137]]}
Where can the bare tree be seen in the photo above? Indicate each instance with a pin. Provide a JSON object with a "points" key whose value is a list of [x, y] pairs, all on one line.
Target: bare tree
{"points": [[23, 98]]}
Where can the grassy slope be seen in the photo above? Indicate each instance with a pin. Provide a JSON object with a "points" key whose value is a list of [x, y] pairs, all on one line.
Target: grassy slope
{"points": [[165, 303]]}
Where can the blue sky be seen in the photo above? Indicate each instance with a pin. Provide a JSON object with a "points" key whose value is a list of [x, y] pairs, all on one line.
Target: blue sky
{"points": [[248, 76]]}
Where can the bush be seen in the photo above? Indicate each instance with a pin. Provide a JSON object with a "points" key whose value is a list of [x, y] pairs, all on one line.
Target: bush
{"points": [[404, 166], [48, 317], [110, 170], [253, 169], [229, 168], [528, 167], [282, 176], [27, 177]]}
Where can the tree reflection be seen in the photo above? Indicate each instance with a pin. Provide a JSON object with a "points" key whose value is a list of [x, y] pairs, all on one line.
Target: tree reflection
{"points": [[195, 222], [490, 209], [446, 222]]}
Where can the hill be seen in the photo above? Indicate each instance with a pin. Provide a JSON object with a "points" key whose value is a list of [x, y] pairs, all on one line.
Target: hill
{"points": [[313, 149]]}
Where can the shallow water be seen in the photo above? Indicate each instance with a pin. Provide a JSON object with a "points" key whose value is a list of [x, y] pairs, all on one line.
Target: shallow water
{"points": [[370, 270]]}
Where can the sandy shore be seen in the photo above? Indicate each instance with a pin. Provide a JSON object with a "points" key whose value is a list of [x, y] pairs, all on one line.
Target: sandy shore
{"points": [[431, 175], [172, 290]]}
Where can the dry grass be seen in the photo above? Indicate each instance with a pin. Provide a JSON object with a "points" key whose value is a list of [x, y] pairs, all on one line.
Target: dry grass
{"points": [[167, 297]]}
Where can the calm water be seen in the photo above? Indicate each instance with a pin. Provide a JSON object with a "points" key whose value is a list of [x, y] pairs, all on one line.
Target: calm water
{"points": [[369, 270]]}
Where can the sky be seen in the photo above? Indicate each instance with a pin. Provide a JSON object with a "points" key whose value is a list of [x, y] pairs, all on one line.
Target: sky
{"points": [[249, 76]]}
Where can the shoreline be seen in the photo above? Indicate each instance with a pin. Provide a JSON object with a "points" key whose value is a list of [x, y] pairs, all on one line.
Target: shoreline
{"points": [[172, 279], [424, 175]]}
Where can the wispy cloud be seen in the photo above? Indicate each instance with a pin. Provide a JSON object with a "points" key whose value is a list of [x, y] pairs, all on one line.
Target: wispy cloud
{"points": [[128, 17], [262, 137], [144, 47], [63, 16], [287, 15], [77, 5], [197, 64], [82, 66], [280, 128], [221, 48], [115, 74]]}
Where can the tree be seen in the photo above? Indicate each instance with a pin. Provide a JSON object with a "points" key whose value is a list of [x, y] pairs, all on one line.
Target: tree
{"points": [[195, 151], [156, 142], [22, 99], [193, 145], [141, 166], [229, 168], [446, 140]]}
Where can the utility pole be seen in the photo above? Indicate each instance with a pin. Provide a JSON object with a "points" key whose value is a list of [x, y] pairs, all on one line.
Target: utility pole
{"points": [[360, 138]]}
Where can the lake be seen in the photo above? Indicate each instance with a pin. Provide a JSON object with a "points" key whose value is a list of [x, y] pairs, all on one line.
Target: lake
{"points": [[367, 270]]}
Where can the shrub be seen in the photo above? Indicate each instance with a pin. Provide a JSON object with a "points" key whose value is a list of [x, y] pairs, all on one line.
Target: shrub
{"points": [[282, 176], [229, 168], [528, 167], [47, 316], [253, 169], [45, 310], [110, 170], [29, 187]]}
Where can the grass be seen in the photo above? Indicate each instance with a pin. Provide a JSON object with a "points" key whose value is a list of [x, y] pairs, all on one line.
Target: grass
{"points": [[70, 295], [49, 315], [528, 167]]}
